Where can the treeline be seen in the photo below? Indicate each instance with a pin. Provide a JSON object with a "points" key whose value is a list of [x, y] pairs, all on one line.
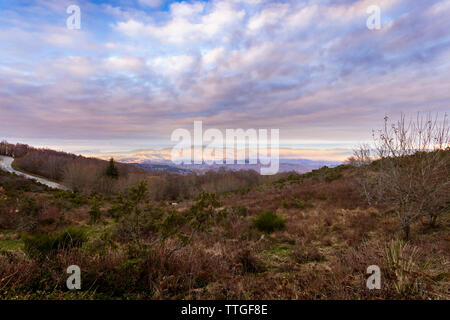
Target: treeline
{"points": [[77, 172], [175, 186], [91, 175]]}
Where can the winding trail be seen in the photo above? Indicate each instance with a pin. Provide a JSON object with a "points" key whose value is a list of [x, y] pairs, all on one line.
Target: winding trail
{"points": [[6, 165]]}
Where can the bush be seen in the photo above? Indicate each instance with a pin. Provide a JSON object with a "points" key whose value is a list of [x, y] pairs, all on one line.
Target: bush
{"points": [[268, 221], [95, 212], [248, 262], [71, 238], [332, 175], [239, 210], [327, 174], [295, 203], [27, 219], [308, 255], [203, 212], [44, 244], [68, 199], [402, 267]]}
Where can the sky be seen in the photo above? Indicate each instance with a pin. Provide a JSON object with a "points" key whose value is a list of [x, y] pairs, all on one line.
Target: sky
{"points": [[137, 70]]}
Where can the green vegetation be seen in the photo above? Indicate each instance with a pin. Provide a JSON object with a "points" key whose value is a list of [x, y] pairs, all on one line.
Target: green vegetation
{"points": [[203, 213], [111, 170], [268, 221], [295, 203], [305, 255], [95, 212], [219, 235], [11, 244], [44, 244], [70, 199], [327, 174], [239, 210]]}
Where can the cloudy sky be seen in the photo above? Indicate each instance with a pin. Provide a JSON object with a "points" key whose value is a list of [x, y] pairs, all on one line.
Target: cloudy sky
{"points": [[139, 69]]}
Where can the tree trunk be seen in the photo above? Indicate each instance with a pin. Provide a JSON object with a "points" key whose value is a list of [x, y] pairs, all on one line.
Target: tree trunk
{"points": [[406, 231]]}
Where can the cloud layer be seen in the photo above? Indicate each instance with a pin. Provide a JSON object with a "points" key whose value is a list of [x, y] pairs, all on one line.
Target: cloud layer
{"points": [[137, 70]]}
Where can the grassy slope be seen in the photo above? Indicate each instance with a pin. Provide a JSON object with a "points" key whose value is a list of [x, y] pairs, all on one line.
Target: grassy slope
{"points": [[322, 253]]}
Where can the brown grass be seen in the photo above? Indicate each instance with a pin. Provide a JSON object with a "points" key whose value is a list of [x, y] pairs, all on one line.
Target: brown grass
{"points": [[323, 253]]}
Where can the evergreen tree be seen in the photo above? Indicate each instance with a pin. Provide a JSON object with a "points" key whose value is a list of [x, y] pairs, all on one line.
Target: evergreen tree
{"points": [[95, 212], [112, 171]]}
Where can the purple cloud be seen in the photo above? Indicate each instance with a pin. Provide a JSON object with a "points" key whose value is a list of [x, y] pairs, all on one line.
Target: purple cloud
{"points": [[136, 73]]}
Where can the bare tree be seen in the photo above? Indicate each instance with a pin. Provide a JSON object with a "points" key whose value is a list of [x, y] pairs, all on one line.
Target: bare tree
{"points": [[411, 171], [79, 176], [366, 178]]}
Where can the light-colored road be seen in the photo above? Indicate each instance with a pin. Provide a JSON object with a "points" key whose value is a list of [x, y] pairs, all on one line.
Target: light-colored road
{"points": [[6, 165]]}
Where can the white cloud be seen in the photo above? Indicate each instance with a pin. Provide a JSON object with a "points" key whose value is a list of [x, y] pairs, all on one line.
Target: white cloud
{"points": [[217, 59], [172, 65], [212, 56], [76, 66], [268, 16], [131, 28], [304, 17], [185, 10], [188, 23], [131, 64], [223, 16], [440, 7]]}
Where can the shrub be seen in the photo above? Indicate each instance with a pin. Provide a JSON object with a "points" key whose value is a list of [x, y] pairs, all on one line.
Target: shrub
{"points": [[327, 174], [294, 203], [44, 244], [308, 255], [401, 260], [74, 199], [158, 222], [248, 262], [71, 238], [203, 212], [294, 177], [95, 212], [268, 221], [332, 175], [131, 210], [38, 244], [239, 210], [169, 223], [100, 243], [29, 210]]}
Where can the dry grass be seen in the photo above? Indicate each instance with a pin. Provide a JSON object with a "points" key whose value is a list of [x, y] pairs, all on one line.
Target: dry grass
{"points": [[322, 253]]}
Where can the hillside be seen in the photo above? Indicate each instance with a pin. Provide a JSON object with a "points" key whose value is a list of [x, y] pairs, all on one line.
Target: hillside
{"points": [[299, 236], [88, 175]]}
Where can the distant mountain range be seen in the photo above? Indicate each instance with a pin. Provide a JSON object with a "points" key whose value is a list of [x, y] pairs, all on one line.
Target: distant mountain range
{"points": [[160, 160], [286, 165]]}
